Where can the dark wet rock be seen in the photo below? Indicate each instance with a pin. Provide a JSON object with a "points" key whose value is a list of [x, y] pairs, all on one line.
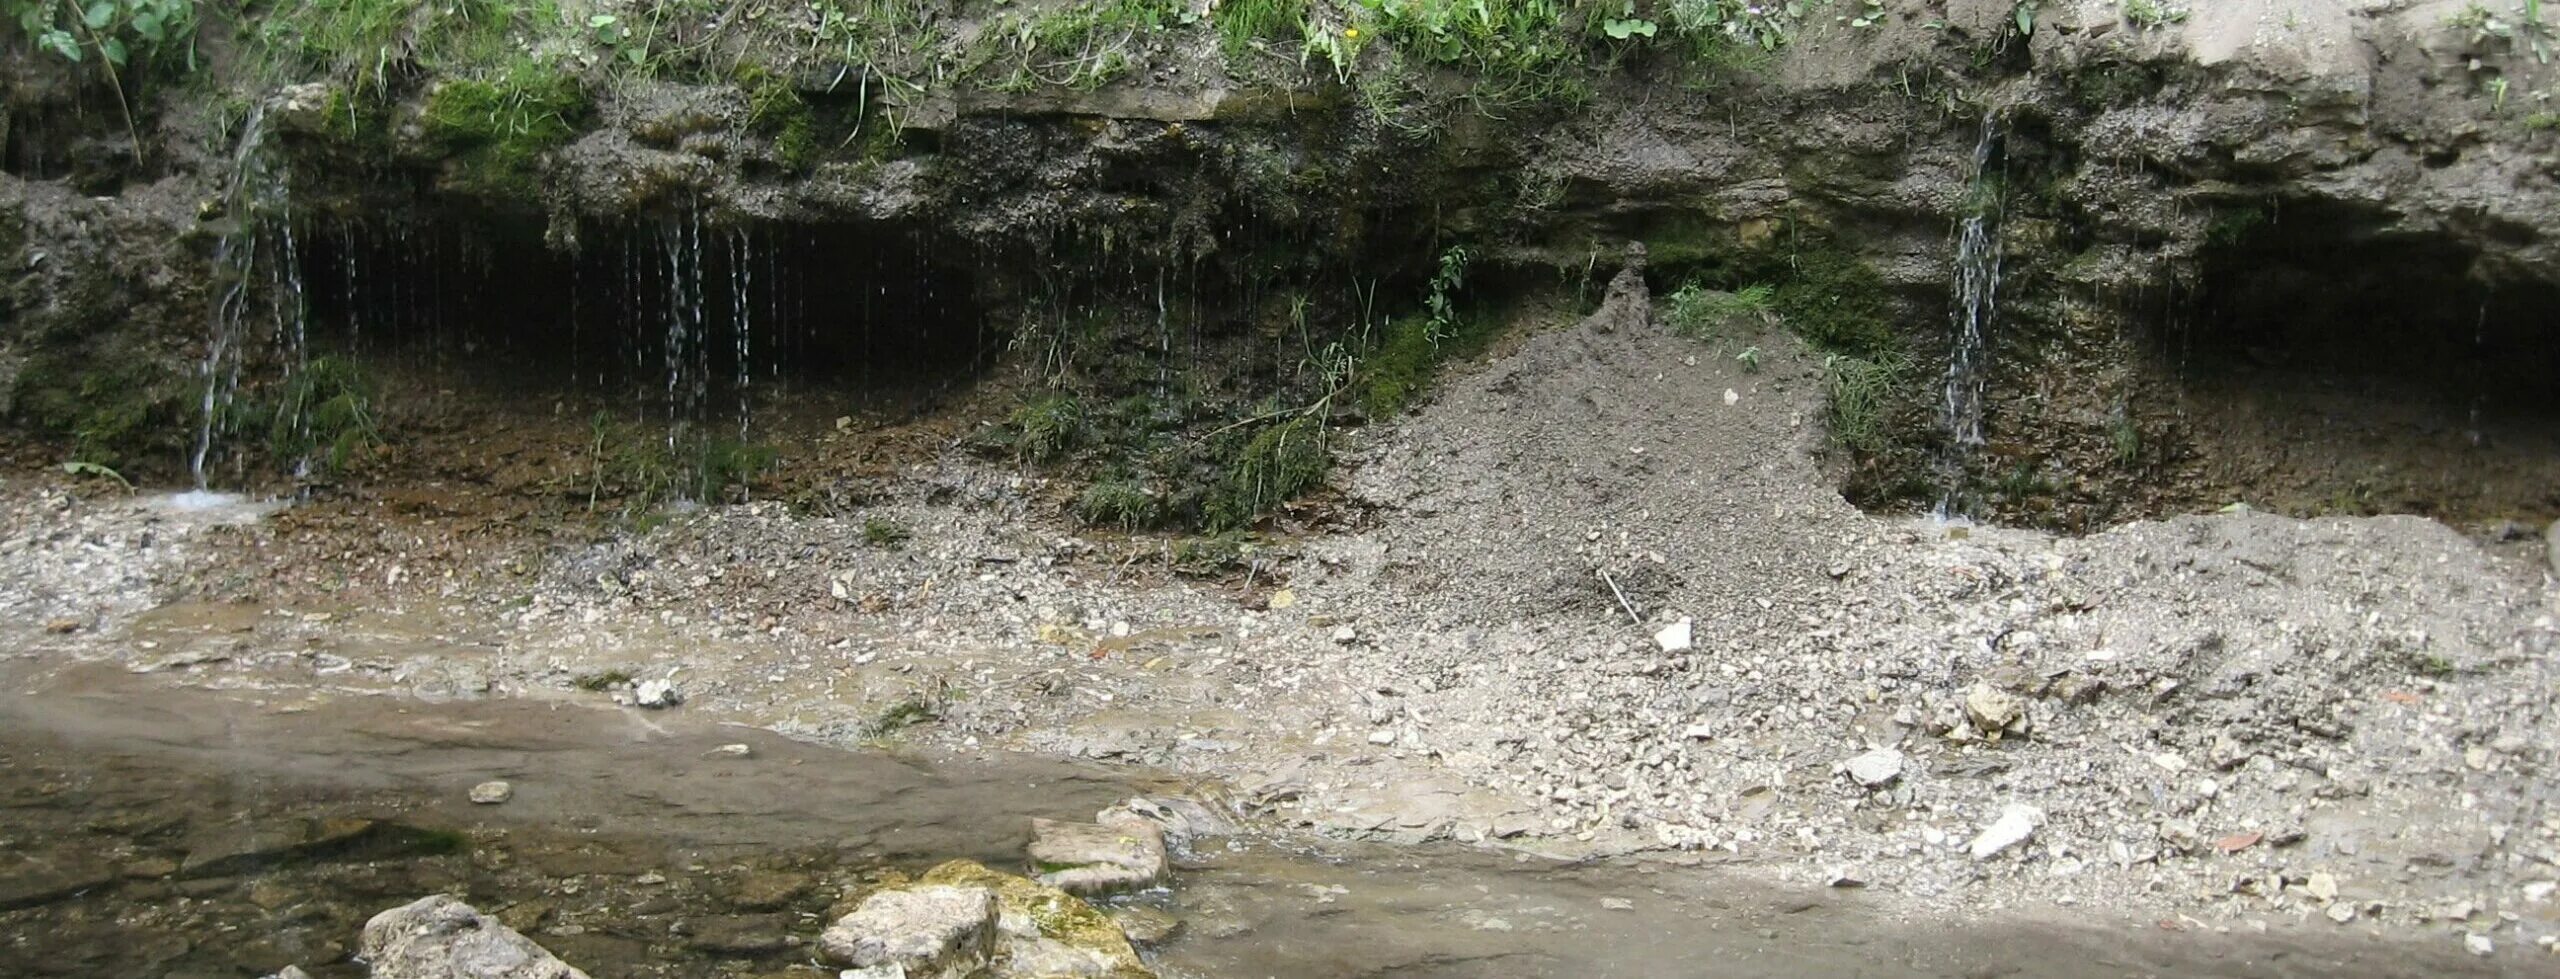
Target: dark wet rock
{"points": [[1147, 927], [743, 934], [769, 890], [442, 938]]}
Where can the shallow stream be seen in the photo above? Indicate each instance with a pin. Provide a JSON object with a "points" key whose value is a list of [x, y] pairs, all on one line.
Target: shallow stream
{"points": [[148, 829]]}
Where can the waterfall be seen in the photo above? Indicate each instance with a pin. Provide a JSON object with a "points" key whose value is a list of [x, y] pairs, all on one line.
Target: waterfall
{"points": [[235, 267], [1976, 294]]}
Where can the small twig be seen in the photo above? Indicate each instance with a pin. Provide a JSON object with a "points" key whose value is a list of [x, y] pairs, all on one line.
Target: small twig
{"points": [[1622, 597]]}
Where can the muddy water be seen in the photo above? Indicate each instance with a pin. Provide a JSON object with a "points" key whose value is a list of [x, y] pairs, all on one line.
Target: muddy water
{"points": [[152, 830]]}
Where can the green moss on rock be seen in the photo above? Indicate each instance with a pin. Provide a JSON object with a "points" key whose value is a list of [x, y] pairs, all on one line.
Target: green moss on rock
{"points": [[497, 128], [1069, 929]]}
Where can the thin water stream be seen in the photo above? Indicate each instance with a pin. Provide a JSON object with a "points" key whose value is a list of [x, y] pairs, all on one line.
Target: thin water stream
{"points": [[158, 830]]}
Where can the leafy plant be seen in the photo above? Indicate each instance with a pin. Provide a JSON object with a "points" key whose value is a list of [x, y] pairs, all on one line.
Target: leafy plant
{"points": [[1441, 301], [118, 32], [77, 467], [1749, 358]]}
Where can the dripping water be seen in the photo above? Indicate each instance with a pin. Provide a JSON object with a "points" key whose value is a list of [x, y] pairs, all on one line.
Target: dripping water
{"points": [[1977, 288]]}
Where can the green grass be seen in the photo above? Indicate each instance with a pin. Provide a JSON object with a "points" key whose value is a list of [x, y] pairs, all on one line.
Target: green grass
{"points": [[1242, 22], [324, 417], [1119, 503], [1863, 392], [1696, 311], [1047, 428], [1274, 464]]}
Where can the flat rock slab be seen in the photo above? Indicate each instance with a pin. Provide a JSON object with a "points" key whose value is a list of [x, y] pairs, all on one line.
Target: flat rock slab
{"points": [[442, 938], [929, 931], [1092, 858]]}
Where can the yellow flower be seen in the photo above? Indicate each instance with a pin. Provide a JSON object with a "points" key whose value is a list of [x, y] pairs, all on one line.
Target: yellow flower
{"points": [[1351, 32]]}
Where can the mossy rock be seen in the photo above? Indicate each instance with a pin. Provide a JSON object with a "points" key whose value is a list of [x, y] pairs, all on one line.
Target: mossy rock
{"points": [[1046, 931]]}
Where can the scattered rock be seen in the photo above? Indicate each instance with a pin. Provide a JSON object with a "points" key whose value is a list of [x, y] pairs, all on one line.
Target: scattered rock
{"points": [[2341, 912], [2540, 890], [289, 972], [2554, 543], [62, 627], [1875, 769], [1994, 712], [1676, 637], [441, 938], [2478, 944], [1617, 904], [1125, 853], [1382, 738], [2322, 886], [656, 694], [923, 932], [1846, 877], [730, 751], [491, 793], [2017, 822]]}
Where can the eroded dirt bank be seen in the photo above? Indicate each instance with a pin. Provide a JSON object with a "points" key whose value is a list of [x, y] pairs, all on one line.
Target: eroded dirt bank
{"points": [[2230, 721]]}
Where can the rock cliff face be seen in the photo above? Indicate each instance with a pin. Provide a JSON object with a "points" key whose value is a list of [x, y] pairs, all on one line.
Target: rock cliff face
{"points": [[2217, 231]]}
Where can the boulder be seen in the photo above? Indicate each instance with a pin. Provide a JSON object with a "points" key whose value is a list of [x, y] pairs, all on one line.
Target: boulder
{"points": [[442, 938]]}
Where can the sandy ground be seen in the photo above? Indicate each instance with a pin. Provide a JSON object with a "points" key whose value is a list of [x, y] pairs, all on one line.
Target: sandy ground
{"points": [[2231, 720]]}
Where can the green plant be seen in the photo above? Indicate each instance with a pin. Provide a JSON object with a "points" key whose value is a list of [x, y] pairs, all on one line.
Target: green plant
{"points": [[1862, 392], [1749, 358], [884, 534], [498, 126], [119, 32], [1278, 461], [1242, 22], [1441, 302], [1696, 311], [2526, 26], [1048, 427], [1765, 25], [2150, 14], [2125, 436], [324, 417], [1118, 503], [93, 470]]}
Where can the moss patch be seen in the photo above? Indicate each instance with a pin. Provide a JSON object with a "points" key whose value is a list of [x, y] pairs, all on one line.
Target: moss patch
{"points": [[498, 128], [1060, 916]]}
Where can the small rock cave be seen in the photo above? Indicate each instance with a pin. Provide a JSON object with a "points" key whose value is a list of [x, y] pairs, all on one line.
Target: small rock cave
{"points": [[2331, 364], [680, 316]]}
